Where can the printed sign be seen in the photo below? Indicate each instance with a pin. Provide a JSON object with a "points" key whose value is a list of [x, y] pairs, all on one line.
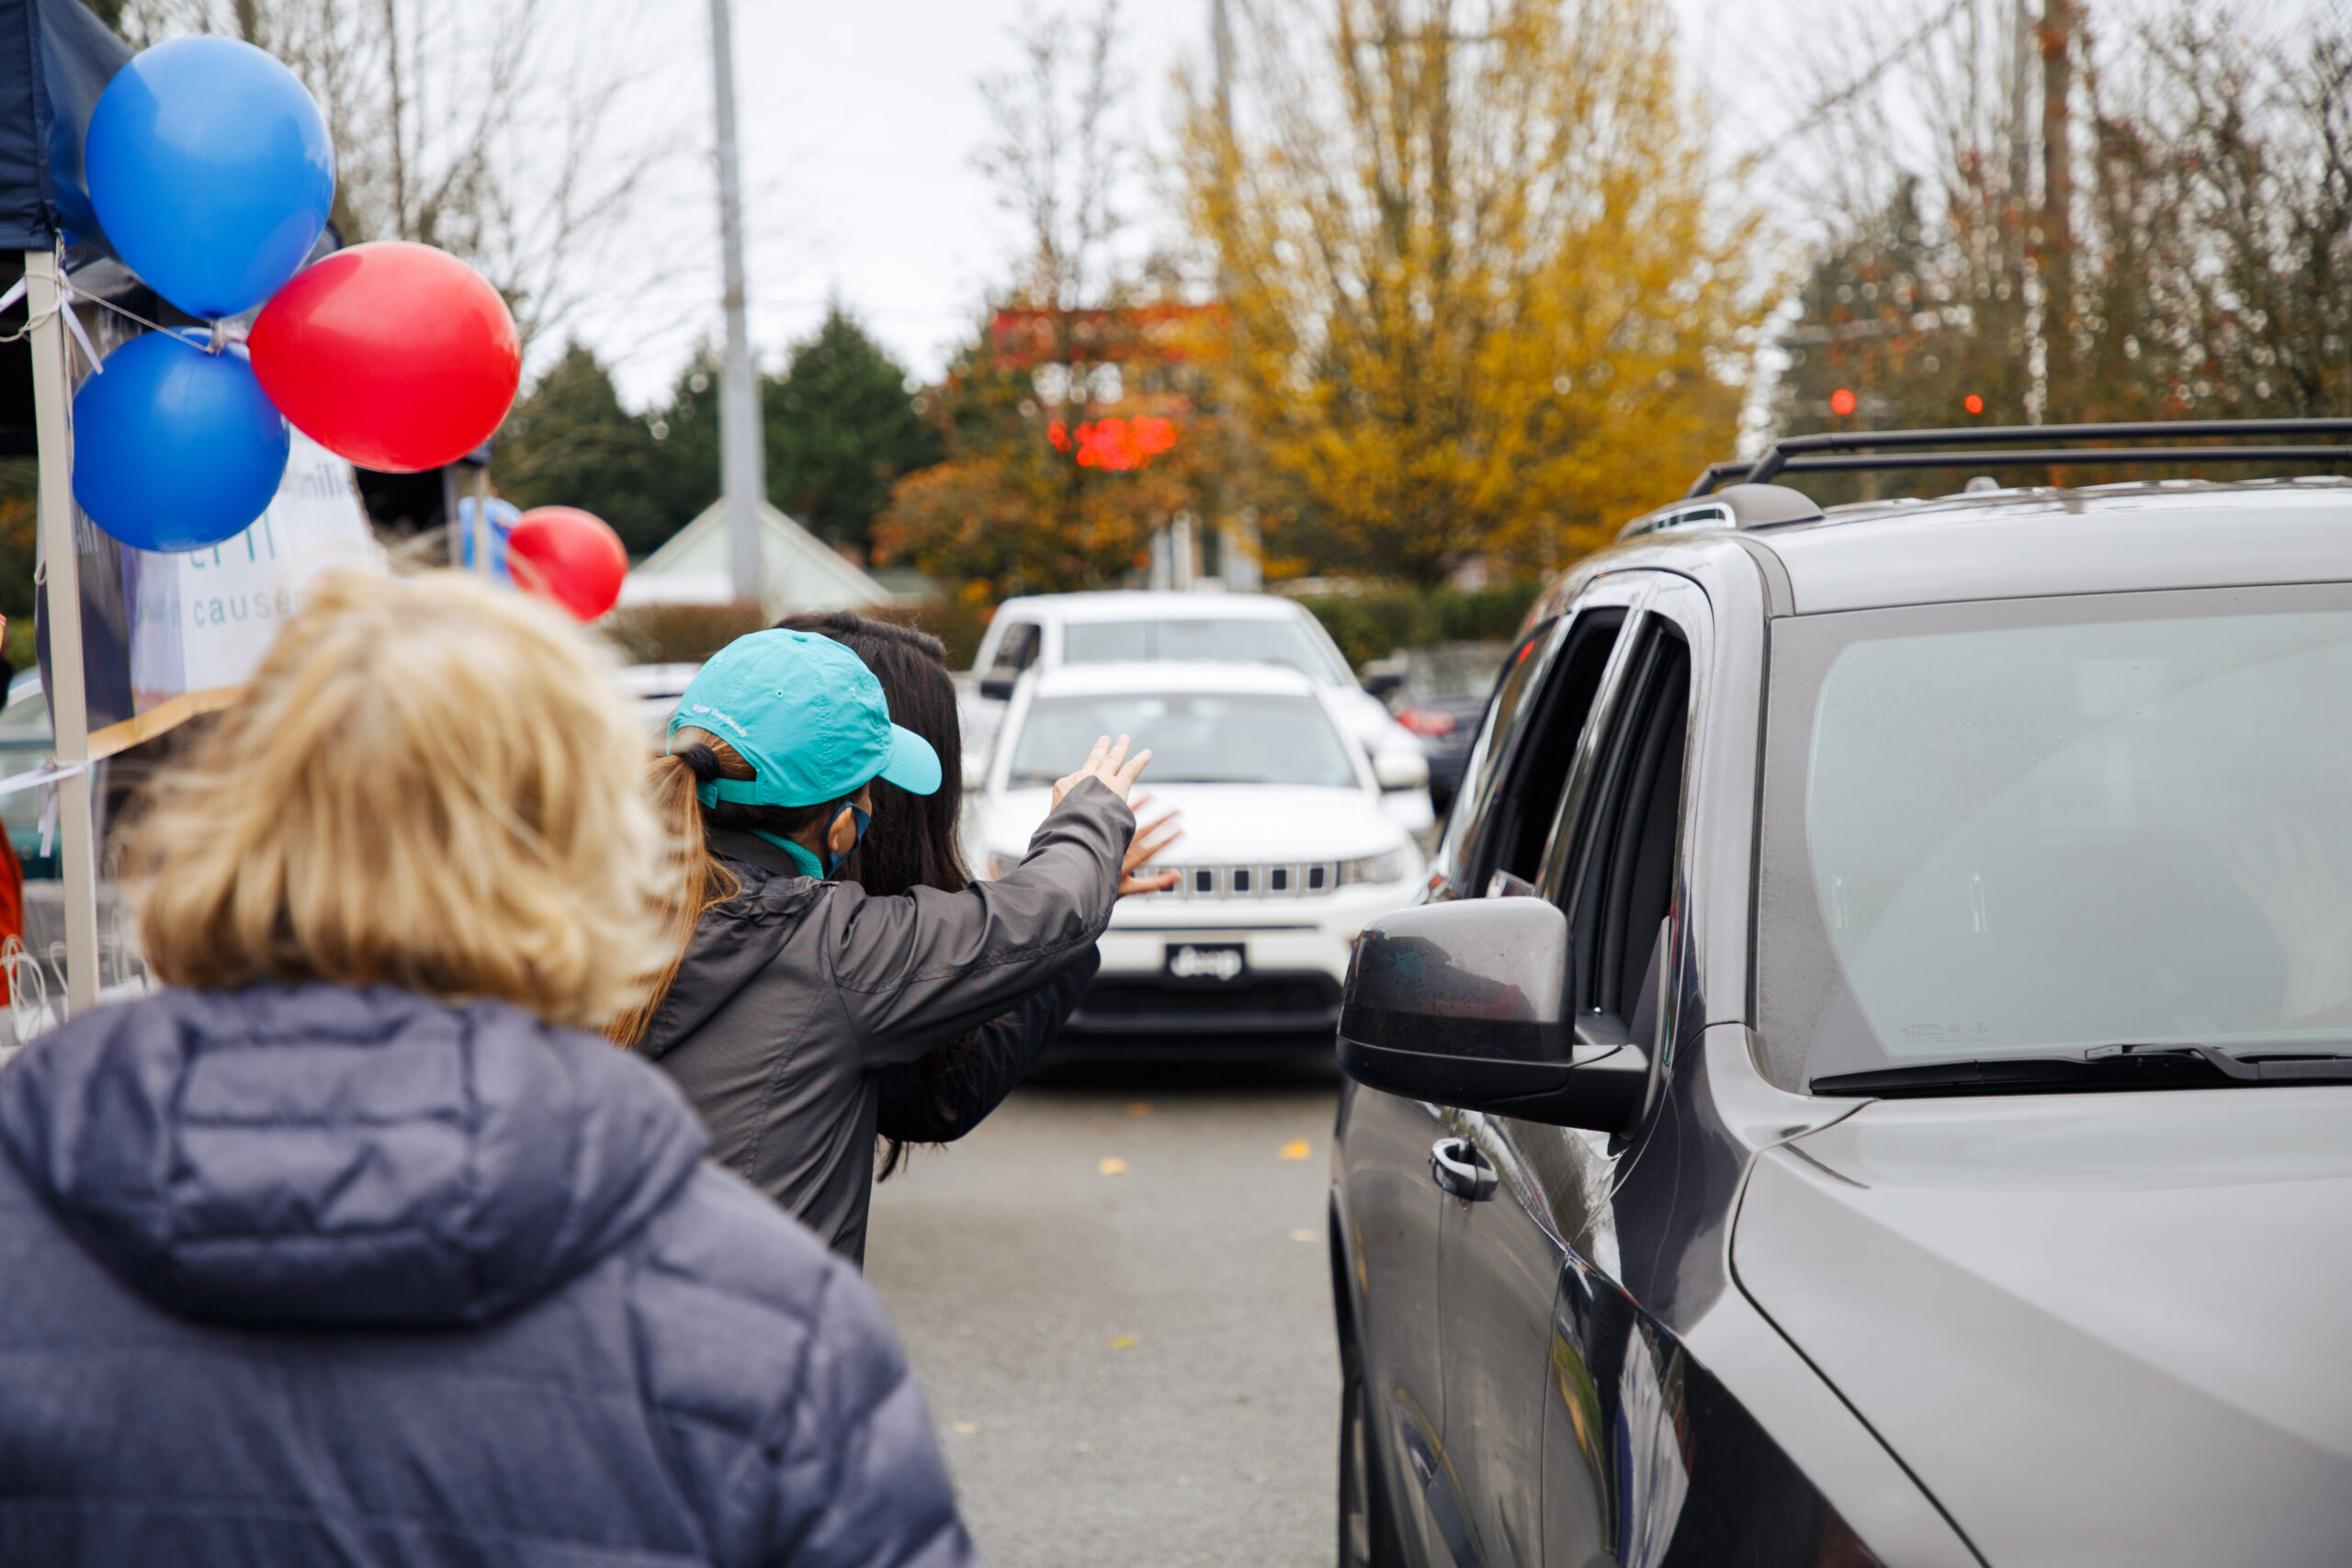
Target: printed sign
{"points": [[201, 620]]}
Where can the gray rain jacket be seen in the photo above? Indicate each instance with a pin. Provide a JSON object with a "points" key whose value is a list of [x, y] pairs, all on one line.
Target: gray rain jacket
{"points": [[795, 993]]}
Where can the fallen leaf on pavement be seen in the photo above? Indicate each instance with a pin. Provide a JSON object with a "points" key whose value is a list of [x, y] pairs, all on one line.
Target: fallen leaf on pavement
{"points": [[1124, 1342], [1140, 1108], [1113, 1165], [967, 1427], [1297, 1148]]}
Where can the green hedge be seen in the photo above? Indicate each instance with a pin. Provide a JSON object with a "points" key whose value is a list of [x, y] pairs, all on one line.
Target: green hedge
{"points": [[1374, 624]]}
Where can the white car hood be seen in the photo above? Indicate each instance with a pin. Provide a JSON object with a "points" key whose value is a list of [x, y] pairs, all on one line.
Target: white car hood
{"points": [[1226, 824]]}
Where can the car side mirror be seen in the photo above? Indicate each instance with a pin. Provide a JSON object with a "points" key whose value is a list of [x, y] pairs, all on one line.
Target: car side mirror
{"points": [[1393, 767], [1380, 683], [1465, 1004], [999, 687]]}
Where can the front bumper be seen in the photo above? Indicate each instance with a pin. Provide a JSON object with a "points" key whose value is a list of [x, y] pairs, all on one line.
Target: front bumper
{"points": [[1295, 955]]}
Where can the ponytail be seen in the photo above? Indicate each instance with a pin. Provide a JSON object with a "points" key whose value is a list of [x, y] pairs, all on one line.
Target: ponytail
{"points": [[698, 880]]}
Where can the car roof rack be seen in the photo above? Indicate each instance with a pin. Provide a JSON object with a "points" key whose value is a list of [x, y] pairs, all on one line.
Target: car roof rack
{"points": [[1849, 451]]}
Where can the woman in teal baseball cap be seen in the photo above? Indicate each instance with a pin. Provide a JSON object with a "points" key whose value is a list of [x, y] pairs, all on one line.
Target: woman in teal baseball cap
{"points": [[789, 993]]}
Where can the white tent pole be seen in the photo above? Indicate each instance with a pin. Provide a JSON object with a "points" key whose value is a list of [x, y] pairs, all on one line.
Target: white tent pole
{"points": [[69, 708]]}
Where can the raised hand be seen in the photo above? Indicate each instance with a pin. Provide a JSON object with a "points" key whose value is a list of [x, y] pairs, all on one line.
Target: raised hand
{"points": [[1110, 762], [1150, 838]]}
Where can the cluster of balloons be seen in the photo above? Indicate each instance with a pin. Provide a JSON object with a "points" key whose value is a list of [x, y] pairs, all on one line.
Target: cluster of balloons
{"points": [[211, 172]]}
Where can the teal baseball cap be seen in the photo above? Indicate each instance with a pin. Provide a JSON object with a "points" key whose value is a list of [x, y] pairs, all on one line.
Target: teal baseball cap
{"points": [[809, 718]]}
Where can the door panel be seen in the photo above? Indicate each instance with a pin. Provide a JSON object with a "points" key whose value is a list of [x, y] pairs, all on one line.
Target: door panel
{"points": [[1500, 1258], [1616, 1463], [1499, 1265], [1392, 1208]]}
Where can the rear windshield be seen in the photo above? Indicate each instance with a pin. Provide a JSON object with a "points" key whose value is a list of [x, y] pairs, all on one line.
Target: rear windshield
{"points": [[2035, 827], [1251, 641], [1195, 738]]}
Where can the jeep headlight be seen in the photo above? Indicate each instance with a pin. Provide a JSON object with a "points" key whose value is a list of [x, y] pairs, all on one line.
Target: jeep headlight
{"points": [[1372, 868]]}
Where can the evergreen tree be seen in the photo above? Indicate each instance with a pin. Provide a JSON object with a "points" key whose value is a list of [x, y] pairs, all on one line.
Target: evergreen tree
{"points": [[685, 435], [841, 428], [569, 443]]}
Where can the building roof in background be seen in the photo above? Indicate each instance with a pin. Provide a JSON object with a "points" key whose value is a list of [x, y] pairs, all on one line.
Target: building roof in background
{"points": [[800, 572]]}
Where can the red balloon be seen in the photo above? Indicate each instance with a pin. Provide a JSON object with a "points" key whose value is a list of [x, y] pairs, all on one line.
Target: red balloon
{"points": [[392, 355], [570, 556]]}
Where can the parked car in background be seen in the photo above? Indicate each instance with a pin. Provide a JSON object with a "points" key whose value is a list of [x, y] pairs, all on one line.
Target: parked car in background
{"points": [[26, 741], [1287, 851], [1440, 693], [1051, 631], [656, 689], [1873, 1081]]}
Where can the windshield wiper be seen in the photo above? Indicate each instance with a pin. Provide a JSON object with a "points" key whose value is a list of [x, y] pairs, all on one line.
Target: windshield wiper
{"points": [[2101, 1067]]}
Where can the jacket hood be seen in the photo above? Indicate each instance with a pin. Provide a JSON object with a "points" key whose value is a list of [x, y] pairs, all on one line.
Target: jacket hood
{"points": [[735, 941], [2099, 1329], [319, 1156]]}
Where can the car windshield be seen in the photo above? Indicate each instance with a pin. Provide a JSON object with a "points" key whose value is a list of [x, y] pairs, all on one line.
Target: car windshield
{"points": [[1989, 835], [1253, 640], [1196, 738]]}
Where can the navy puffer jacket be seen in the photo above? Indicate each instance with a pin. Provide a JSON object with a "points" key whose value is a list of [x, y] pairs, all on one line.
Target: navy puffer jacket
{"points": [[321, 1276]]}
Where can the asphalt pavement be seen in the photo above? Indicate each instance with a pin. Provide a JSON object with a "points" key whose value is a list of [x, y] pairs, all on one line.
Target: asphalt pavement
{"points": [[1117, 1295]]}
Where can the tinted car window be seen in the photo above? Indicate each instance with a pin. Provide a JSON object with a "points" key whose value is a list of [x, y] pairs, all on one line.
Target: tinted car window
{"points": [[1620, 877], [1194, 738], [1017, 651], [1539, 712], [1985, 836], [1251, 641]]}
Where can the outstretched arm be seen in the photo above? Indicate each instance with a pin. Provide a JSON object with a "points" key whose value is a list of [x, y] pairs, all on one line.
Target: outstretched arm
{"points": [[914, 972], [914, 1111]]}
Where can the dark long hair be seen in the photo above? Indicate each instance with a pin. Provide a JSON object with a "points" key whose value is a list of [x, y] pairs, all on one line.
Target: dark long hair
{"points": [[701, 881], [914, 841]]}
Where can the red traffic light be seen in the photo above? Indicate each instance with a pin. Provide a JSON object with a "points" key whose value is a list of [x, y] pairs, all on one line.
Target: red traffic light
{"points": [[1842, 403], [1973, 403]]}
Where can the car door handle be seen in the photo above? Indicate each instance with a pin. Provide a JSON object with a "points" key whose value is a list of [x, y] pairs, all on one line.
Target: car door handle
{"points": [[1460, 1170]]}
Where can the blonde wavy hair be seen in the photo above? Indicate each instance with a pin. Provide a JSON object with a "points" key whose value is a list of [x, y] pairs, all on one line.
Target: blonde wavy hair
{"points": [[431, 783]]}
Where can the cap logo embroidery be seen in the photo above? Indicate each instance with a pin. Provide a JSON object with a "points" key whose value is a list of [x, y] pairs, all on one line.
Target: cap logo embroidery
{"points": [[726, 719]]}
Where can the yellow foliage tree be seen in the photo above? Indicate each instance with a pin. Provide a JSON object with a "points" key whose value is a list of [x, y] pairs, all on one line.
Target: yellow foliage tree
{"points": [[1486, 294]]}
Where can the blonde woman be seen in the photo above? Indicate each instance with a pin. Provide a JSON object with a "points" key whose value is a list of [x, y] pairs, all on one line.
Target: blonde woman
{"points": [[353, 1244]]}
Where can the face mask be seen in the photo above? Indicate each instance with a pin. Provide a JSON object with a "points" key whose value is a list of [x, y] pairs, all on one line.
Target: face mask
{"points": [[833, 862]]}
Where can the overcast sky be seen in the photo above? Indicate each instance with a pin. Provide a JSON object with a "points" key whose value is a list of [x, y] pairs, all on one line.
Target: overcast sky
{"points": [[858, 125]]}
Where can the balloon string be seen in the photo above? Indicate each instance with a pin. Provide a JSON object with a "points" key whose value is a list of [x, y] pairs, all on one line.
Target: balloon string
{"points": [[222, 332], [64, 306]]}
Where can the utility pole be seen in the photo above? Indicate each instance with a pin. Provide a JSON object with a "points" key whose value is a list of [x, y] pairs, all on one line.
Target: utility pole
{"points": [[2057, 251], [1239, 550], [1221, 48], [742, 462]]}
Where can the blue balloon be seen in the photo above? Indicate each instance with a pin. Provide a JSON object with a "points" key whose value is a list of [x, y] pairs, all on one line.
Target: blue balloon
{"points": [[175, 448], [211, 171]]}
